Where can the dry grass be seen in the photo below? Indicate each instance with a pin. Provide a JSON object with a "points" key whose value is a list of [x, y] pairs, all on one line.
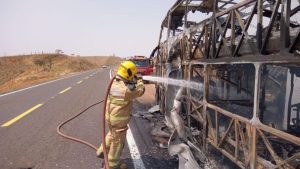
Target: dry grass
{"points": [[21, 71], [100, 60]]}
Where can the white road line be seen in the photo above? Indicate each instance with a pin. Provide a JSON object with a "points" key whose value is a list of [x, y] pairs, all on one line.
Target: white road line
{"points": [[110, 74], [35, 86], [32, 87], [134, 151]]}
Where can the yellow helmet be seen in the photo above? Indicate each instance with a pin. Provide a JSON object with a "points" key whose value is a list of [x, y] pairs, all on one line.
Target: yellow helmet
{"points": [[127, 70]]}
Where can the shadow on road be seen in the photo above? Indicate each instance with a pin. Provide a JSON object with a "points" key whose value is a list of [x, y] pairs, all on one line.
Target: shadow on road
{"points": [[151, 162]]}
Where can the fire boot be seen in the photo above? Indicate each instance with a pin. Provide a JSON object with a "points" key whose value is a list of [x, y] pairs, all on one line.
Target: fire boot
{"points": [[122, 165], [100, 154]]}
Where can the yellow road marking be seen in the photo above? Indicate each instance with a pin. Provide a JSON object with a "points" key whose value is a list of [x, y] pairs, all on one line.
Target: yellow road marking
{"points": [[79, 82], [65, 90], [10, 122]]}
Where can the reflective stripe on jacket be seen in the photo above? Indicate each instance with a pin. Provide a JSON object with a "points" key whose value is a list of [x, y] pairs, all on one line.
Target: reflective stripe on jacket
{"points": [[119, 103]]}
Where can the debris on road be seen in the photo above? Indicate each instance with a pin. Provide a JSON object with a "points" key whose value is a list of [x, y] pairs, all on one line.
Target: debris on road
{"points": [[154, 109]]}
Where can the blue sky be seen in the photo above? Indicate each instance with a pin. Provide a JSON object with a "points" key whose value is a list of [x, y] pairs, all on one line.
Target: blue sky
{"points": [[82, 27]]}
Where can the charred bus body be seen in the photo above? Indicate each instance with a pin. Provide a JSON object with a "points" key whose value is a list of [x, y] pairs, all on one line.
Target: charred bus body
{"points": [[245, 55]]}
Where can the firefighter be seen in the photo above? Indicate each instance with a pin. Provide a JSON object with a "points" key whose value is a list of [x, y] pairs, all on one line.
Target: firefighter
{"points": [[125, 88]]}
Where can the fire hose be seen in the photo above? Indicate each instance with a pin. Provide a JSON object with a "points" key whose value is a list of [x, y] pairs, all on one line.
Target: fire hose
{"points": [[103, 126]]}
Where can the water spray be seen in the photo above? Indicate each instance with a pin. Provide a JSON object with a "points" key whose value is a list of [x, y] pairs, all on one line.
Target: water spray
{"points": [[175, 82]]}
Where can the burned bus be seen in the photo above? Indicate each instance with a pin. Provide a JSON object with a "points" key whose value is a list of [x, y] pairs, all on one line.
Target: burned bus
{"points": [[244, 55]]}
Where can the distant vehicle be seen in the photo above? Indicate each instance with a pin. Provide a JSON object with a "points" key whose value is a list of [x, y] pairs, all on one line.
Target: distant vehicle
{"points": [[144, 65], [104, 66]]}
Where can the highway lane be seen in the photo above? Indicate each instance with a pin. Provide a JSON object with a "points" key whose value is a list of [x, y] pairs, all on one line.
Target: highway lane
{"points": [[13, 104], [32, 141]]}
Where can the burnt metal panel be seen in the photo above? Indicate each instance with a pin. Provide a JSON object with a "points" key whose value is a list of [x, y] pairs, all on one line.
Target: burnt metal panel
{"points": [[214, 52]]}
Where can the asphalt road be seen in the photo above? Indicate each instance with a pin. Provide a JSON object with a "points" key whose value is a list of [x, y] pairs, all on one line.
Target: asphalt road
{"points": [[29, 118]]}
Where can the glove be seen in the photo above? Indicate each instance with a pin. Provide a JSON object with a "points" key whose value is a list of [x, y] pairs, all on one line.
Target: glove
{"points": [[131, 86], [138, 76]]}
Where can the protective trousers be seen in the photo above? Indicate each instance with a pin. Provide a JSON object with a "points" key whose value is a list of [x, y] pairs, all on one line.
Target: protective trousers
{"points": [[115, 140]]}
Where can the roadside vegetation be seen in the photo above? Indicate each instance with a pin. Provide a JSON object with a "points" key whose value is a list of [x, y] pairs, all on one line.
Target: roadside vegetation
{"points": [[22, 71]]}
